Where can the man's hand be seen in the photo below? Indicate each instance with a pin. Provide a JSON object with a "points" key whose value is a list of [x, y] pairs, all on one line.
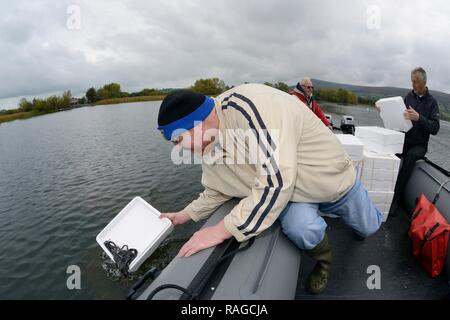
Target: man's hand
{"points": [[179, 217], [205, 238], [411, 114]]}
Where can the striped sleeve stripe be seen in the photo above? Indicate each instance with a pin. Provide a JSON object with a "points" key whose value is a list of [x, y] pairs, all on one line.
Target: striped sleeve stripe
{"points": [[272, 162], [266, 189]]}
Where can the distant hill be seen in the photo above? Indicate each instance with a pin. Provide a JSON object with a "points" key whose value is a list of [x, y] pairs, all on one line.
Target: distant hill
{"points": [[442, 98]]}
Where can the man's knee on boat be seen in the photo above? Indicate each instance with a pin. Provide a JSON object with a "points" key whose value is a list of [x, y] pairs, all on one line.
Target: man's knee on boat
{"points": [[371, 224], [302, 225]]}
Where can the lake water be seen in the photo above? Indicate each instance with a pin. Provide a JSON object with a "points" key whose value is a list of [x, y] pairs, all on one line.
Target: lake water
{"points": [[64, 176]]}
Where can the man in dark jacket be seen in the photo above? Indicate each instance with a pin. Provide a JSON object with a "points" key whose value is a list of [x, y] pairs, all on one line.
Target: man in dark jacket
{"points": [[304, 91], [423, 111]]}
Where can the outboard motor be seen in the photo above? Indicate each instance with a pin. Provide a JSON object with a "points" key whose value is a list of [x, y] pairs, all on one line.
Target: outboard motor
{"points": [[347, 125]]}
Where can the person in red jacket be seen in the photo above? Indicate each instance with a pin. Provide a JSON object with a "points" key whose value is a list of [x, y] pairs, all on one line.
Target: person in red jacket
{"points": [[304, 91]]}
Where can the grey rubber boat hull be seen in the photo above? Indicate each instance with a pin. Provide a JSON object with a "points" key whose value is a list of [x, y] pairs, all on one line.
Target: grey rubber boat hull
{"points": [[267, 270]]}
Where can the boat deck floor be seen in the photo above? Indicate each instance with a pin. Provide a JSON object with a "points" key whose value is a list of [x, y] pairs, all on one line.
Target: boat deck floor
{"points": [[401, 275]]}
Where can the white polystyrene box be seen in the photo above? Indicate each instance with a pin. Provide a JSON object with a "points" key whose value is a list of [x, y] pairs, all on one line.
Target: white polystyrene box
{"points": [[352, 145], [379, 174], [375, 185], [386, 136], [385, 215], [373, 160], [379, 179], [358, 167], [391, 111], [137, 225], [384, 149], [381, 140], [381, 196], [382, 200]]}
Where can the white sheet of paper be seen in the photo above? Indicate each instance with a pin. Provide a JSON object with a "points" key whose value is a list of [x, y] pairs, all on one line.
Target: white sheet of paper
{"points": [[392, 113]]}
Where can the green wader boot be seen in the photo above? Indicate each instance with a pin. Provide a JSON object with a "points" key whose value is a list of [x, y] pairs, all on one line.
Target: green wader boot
{"points": [[318, 279]]}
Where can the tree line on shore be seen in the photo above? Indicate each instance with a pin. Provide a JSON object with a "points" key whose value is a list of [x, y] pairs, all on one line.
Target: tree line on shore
{"points": [[39, 106], [114, 91], [210, 87], [67, 101]]}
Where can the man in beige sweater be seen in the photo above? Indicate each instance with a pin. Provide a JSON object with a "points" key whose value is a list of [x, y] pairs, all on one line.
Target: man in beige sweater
{"points": [[269, 149]]}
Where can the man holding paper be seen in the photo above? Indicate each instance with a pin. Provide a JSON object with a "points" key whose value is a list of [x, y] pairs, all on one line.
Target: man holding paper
{"points": [[423, 111]]}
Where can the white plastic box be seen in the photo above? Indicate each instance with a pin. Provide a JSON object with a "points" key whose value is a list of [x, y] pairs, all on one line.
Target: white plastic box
{"points": [[379, 172], [137, 225], [379, 180], [379, 175], [382, 200], [376, 161], [391, 111], [358, 167], [352, 145], [381, 140]]}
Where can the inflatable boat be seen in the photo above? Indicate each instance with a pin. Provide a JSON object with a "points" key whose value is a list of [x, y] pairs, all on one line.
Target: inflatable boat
{"points": [[271, 267]]}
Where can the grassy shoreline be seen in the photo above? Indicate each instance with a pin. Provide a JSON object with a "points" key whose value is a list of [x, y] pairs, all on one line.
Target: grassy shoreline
{"points": [[16, 116], [129, 99], [30, 114]]}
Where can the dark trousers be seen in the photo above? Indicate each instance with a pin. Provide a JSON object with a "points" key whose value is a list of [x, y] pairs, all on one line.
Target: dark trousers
{"points": [[409, 156]]}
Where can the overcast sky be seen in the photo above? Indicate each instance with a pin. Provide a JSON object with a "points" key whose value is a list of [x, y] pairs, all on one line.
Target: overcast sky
{"points": [[50, 46]]}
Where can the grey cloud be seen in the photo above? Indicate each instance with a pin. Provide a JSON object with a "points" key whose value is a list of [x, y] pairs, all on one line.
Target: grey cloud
{"points": [[171, 43]]}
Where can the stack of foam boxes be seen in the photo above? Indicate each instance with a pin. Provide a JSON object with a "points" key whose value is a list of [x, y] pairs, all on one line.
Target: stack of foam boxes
{"points": [[355, 149], [380, 165]]}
